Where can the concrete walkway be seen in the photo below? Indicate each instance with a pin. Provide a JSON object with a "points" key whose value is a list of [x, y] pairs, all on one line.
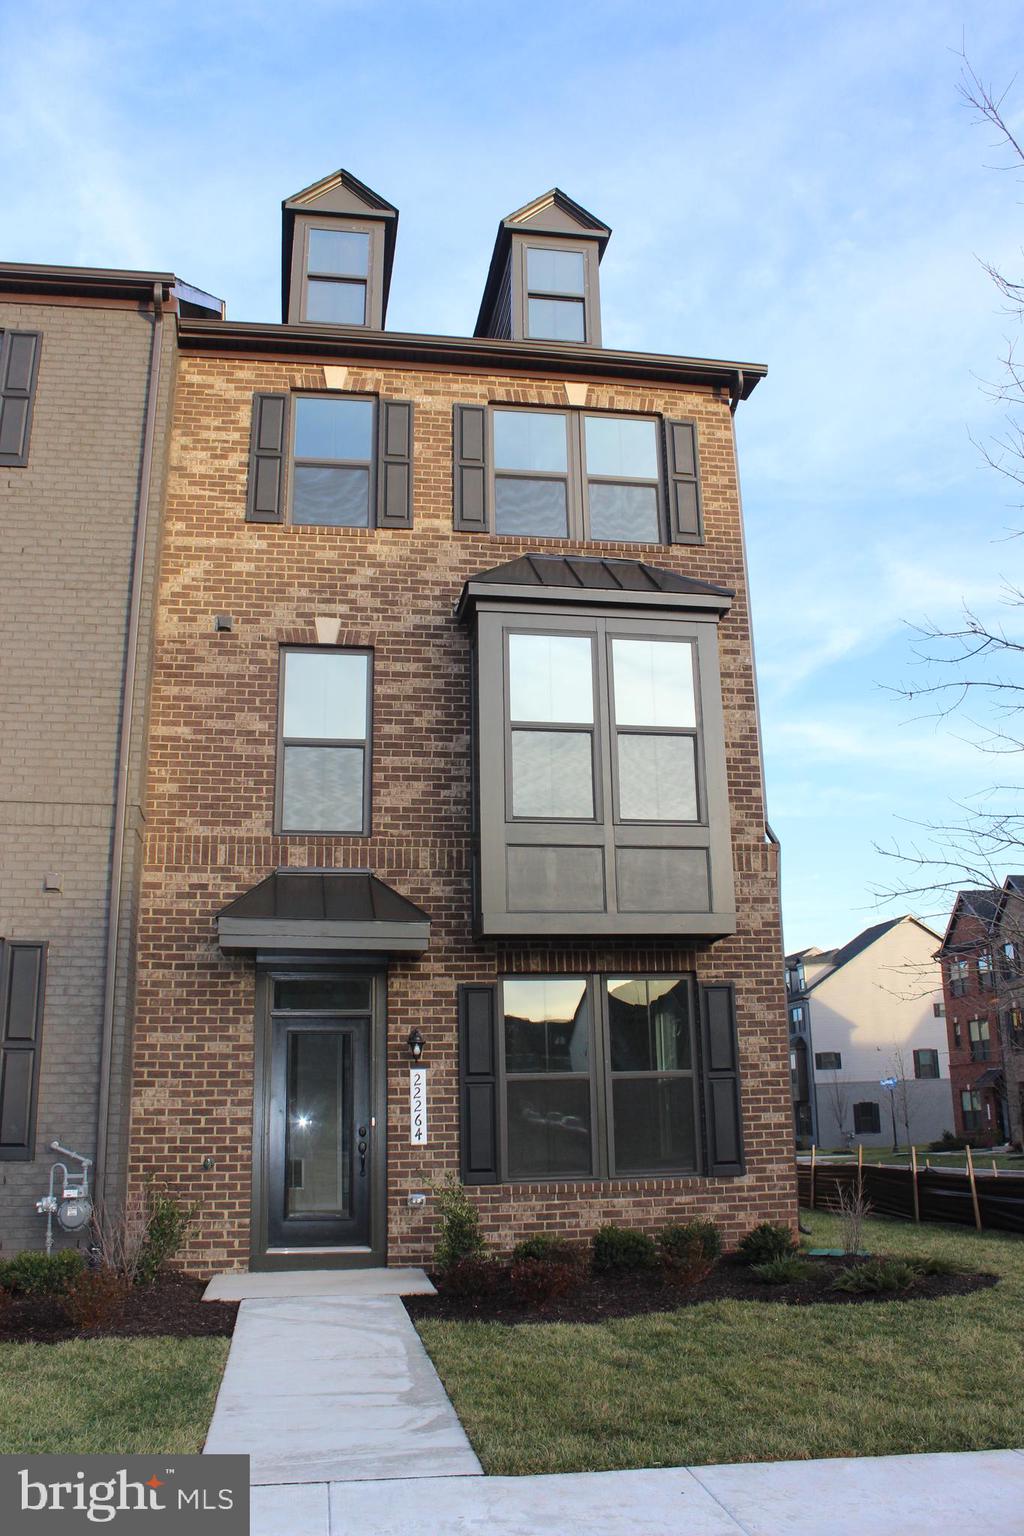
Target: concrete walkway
{"points": [[324, 1389], [977, 1492], [293, 1283]]}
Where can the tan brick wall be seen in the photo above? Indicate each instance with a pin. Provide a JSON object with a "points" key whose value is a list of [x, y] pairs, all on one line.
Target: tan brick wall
{"points": [[211, 793]]}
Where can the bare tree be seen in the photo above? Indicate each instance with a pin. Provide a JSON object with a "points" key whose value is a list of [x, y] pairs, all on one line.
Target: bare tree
{"points": [[839, 1100]]}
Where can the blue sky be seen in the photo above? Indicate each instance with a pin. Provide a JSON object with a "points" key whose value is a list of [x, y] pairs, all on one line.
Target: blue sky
{"points": [[795, 184]]}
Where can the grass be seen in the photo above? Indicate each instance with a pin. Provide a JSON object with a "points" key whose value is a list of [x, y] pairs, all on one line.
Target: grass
{"points": [[752, 1381], [111, 1396]]}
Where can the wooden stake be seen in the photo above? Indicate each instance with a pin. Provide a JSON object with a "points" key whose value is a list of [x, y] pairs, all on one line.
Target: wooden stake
{"points": [[814, 1151], [860, 1170], [913, 1166], [974, 1190], [995, 1169]]}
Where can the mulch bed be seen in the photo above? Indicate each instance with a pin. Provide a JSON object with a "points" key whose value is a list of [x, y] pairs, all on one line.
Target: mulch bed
{"points": [[601, 1297], [170, 1307]]}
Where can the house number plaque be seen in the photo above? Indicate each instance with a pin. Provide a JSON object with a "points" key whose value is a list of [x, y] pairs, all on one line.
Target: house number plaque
{"points": [[418, 1106]]}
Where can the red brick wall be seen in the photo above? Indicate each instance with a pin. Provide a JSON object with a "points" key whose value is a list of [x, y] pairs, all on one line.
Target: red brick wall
{"points": [[968, 938], [211, 794]]}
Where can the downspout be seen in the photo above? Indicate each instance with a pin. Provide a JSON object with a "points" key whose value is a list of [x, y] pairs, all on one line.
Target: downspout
{"points": [[124, 745]]}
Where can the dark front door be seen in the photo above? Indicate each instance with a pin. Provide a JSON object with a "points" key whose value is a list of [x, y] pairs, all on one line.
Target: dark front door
{"points": [[318, 1174]]}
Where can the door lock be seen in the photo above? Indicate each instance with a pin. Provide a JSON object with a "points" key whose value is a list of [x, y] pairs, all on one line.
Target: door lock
{"points": [[361, 1149]]}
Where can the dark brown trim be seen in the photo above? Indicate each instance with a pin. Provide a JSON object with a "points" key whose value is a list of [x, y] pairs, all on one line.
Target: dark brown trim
{"points": [[244, 338]]}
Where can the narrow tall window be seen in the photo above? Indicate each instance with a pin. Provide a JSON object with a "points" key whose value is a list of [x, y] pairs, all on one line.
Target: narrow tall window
{"points": [[555, 294], [324, 754], [650, 1044], [547, 1044], [551, 723], [958, 970], [970, 1109], [623, 467], [985, 976], [980, 1038], [655, 730], [337, 275], [333, 460], [531, 473]]}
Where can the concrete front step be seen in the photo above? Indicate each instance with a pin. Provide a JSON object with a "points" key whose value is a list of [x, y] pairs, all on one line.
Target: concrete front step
{"points": [[347, 1284]]}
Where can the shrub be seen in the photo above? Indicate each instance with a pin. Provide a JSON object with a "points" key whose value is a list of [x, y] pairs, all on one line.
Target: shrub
{"points": [[765, 1242], [460, 1236], [534, 1281], [682, 1238], [623, 1248], [472, 1276], [932, 1264], [549, 1249], [853, 1210], [788, 1269], [41, 1274], [94, 1298], [877, 1275], [167, 1223], [948, 1142]]}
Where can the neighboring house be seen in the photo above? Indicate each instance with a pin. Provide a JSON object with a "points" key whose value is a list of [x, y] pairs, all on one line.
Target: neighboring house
{"points": [[981, 976], [86, 381], [862, 1013], [453, 764]]}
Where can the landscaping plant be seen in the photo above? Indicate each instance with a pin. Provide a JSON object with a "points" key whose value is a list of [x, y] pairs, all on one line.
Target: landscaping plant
{"points": [[853, 1210], [474, 1275], [689, 1250], [167, 1225], [460, 1236], [787, 1269], [549, 1249], [876, 1275], [623, 1248], [767, 1241], [41, 1274], [94, 1298], [534, 1281]]}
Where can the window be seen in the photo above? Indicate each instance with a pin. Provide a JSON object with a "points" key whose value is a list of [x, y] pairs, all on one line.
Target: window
{"points": [[551, 726], [19, 367], [796, 1016], [556, 291], [1008, 961], [939, 1010], [22, 981], [828, 1061], [324, 750], [958, 971], [926, 1064], [340, 461], [337, 274], [970, 1107], [985, 976], [576, 475], [958, 1038], [867, 1119], [599, 1074], [979, 1035], [795, 977]]}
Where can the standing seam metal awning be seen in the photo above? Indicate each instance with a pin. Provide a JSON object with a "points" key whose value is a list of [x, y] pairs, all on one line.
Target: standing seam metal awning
{"points": [[330, 909]]}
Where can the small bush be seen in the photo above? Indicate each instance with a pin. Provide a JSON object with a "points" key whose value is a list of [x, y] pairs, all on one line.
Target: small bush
{"points": [[877, 1275], [948, 1142], [788, 1269], [623, 1248], [682, 1238], [94, 1298], [167, 1225], [472, 1276], [765, 1242], [41, 1274], [549, 1248], [460, 1236], [535, 1281]]}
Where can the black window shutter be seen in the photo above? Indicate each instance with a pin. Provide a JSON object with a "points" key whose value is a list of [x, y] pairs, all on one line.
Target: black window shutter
{"points": [[266, 459], [22, 976], [478, 1084], [469, 459], [684, 513], [721, 1080], [19, 368], [394, 469]]}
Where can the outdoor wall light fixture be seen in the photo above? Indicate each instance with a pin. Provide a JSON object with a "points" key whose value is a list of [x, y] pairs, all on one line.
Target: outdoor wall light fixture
{"points": [[415, 1043]]}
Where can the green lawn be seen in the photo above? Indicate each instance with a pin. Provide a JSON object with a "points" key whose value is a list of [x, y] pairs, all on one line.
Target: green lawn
{"points": [[746, 1381], [114, 1396]]}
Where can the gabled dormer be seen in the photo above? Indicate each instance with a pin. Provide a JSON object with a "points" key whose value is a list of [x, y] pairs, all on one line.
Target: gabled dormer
{"points": [[337, 254], [542, 284]]}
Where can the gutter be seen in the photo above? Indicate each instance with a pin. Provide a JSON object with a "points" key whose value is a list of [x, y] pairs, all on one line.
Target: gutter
{"points": [[124, 746]]}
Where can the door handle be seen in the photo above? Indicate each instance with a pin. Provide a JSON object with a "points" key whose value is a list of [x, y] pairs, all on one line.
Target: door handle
{"points": [[361, 1149]]}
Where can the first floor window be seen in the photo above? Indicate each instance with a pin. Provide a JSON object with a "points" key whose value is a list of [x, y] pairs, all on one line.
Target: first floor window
{"points": [[828, 1061], [926, 1064], [324, 748], [867, 1120], [970, 1107], [599, 1072]]}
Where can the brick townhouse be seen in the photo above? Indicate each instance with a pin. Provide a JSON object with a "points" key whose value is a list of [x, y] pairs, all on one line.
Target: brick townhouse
{"points": [[455, 853]]}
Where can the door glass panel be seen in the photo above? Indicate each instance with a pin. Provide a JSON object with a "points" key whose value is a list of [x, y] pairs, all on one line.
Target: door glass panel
{"points": [[626, 512], [657, 778], [556, 319], [552, 774], [547, 1026], [649, 1025], [550, 678], [318, 1138], [548, 1127], [531, 506], [553, 271], [531, 440], [341, 252], [348, 994], [325, 696], [653, 683], [335, 303], [654, 1124], [622, 450]]}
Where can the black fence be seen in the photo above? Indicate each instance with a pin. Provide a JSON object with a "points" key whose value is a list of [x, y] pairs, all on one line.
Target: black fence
{"points": [[943, 1194]]}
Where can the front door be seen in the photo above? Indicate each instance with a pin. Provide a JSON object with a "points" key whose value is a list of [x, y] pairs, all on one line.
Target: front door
{"points": [[319, 1146]]}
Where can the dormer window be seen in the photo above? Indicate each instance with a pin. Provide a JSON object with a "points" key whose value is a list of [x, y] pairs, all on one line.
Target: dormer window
{"points": [[542, 284], [556, 291], [339, 245]]}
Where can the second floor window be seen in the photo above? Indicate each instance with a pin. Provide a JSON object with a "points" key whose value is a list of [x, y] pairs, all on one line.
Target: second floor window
{"points": [[979, 1034], [958, 970], [323, 769], [332, 461], [926, 1064], [985, 977], [828, 1061]]}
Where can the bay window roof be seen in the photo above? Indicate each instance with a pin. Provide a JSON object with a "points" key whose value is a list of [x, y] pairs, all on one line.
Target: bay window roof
{"points": [[590, 579]]}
